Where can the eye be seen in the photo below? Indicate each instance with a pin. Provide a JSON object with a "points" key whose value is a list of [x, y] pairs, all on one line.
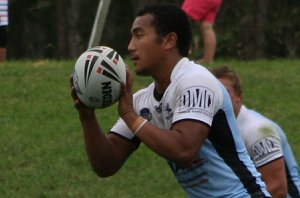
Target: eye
{"points": [[139, 35]]}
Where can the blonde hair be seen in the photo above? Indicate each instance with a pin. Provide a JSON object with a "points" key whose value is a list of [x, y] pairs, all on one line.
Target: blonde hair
{"points": [[230, 74]]}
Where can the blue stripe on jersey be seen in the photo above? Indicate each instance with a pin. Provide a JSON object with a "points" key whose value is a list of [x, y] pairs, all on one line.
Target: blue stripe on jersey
{"points": [[220, 133], [292, 189]]}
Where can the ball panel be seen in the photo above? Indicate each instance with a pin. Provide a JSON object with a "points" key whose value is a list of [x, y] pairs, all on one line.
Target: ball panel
{"points": [[115, 62]]}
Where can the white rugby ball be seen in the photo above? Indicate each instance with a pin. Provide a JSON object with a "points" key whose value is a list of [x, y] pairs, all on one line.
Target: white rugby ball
{"points": [[97, 78]]}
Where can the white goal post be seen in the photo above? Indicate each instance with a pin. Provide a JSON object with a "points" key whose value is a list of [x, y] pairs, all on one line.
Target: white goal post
{"points": [[99, 23]]}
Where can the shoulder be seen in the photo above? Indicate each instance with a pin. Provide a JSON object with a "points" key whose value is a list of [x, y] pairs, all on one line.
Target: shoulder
{"points": [[196, 91], [187, 75], [260, 122], [256, 125], [186, 68], [261, 137]]}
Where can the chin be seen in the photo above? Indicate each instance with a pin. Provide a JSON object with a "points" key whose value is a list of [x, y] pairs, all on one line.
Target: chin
{"points": [[141, 72]]}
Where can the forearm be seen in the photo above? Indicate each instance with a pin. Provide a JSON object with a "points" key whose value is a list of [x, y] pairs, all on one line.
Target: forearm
{"points": [[175, 144], [98, 148], [276, 190], [274, 176]]}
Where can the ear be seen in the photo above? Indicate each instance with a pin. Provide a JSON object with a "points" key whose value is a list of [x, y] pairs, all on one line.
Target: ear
{"points": [[239, 98], [170, 40]]}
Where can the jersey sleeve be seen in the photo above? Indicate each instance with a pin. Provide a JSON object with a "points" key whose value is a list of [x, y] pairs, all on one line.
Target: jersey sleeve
{"points": [[198, 98], [264, 145], [122, 129]]}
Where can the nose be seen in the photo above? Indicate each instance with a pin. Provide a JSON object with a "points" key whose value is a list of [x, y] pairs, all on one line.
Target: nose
{"points": [[131, 47]]}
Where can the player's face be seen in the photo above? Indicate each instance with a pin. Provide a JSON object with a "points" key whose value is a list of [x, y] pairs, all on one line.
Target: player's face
{"points": [[145, 46], [236, 99]]}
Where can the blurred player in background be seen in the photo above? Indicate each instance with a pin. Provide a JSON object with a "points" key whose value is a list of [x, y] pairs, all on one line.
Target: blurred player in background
{"points": [[265, 141], [204, 12], [184, 116], [3, 26]]}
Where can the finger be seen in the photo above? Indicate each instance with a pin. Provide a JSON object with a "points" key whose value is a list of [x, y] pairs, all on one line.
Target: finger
{"points": [[77, 104], [71, 80], [129, 79], [123, 88], [73, 93]]}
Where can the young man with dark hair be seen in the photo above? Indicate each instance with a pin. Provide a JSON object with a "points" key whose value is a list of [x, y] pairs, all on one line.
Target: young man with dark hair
{"points": [[184, 116]]}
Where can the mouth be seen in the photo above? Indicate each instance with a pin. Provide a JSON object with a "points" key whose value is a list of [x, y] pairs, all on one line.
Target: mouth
{"points": [[135, 59]]}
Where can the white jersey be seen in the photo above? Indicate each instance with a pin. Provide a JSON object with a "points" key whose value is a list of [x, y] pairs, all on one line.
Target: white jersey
{"points": [[265, 142], [222, 167], [3, 12]]}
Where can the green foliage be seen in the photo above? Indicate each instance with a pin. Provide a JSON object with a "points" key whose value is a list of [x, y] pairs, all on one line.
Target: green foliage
{"points": [[42, 150], [254, 29]]}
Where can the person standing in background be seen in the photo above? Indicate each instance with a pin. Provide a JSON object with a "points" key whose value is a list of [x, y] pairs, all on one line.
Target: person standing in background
{"points": [[204, 12], [3, 25], [265, 140]]}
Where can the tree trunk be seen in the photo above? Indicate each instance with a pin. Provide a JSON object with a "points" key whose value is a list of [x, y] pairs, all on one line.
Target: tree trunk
{"points": [[253, 35], [62, 28], [74, 38]]}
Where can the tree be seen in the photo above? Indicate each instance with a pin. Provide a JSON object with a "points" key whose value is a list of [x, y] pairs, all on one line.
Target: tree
{"points": [[248, 29]]}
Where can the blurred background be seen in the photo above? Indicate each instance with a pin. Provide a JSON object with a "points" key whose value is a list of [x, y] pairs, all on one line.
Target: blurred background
{"points": [[61, 29]]}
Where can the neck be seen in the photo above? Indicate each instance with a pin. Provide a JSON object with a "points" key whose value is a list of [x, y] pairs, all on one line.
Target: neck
{"points": [[162, 77], [237, 110], [160, 88]]}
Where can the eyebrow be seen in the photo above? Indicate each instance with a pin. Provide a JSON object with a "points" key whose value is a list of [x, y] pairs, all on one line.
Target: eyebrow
{"points": [[136, 29]]}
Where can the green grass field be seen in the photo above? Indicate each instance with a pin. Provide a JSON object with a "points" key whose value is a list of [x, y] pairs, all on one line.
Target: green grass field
{"points": [[42, 152]]}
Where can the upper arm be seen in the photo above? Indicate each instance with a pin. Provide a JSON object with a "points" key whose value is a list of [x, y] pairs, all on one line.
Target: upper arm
{"points": [[266, 152], [192, 128], [192, 135], [274, 176]]}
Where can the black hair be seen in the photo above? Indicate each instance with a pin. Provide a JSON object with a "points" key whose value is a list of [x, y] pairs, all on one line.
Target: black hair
{"points": [[170, 18]]}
